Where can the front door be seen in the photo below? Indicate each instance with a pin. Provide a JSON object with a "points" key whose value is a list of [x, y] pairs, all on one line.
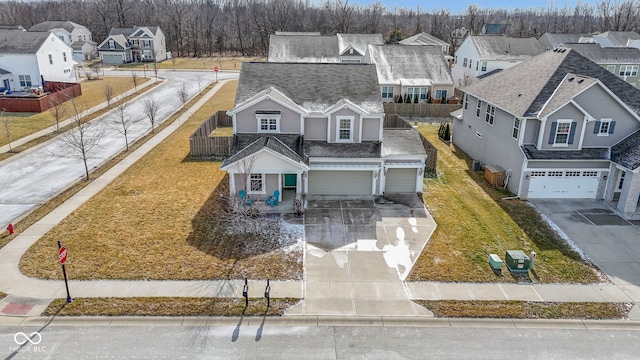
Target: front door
{"points": [[290, 181], [5, 84]]}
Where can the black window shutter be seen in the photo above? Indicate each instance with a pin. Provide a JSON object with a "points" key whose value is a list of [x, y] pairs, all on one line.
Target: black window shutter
{"points": [[552, 132], [612, 126], [596, 127], [572, 132]]}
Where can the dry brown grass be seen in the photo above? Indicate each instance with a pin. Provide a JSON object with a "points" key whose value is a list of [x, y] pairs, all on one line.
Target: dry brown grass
{"points": [[526, 310], [201, 63], [23, 124], [222, 131], [158, 221], [164, 306], [473, 222]]}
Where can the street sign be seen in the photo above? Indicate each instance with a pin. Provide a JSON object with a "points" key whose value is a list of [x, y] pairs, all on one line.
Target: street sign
{"points": [[62, 255], [215, 69]]}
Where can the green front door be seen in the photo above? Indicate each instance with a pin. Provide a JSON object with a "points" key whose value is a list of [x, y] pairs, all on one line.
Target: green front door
{"points": [[290, 180]]}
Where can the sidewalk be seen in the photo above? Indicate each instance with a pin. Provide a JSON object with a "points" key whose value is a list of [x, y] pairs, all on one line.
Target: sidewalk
{"points": [[52, 129]]}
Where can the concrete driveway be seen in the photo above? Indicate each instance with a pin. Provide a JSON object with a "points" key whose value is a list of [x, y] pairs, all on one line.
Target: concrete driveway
{"points": [[608, 240], [358, 252]]}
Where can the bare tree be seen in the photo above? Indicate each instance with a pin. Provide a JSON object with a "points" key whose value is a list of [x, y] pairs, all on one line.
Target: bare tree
{"points": [[199, 80], [183, 94], [58, 110], [96, 67], [150, 108], [135, 79], [84, 139], [5, 120], [108, 93], [122, 120]]}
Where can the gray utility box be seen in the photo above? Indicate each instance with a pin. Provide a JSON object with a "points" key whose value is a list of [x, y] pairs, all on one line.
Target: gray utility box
{"points": [[517, 261], [495, 262]]}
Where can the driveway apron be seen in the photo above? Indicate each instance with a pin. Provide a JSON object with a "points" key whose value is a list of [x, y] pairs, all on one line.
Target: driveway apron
{"points": [[358, 253]]}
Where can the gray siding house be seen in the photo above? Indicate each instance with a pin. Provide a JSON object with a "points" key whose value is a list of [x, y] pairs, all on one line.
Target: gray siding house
{"points": [[621, 61], [317, 129], [560, 125], [136, 44]]}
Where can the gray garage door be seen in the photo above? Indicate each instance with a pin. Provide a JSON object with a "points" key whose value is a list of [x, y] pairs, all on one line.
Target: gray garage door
{"points": [[112, 59], [400, 181], [339, 182]]}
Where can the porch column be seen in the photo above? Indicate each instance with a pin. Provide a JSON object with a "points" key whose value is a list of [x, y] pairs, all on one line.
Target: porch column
{"points": [[630, 191], [232, 184], [299, 189], [610, 189], [279, 188]]}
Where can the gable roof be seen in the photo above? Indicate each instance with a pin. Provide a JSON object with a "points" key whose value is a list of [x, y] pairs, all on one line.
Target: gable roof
{"points": [[49, 25], [118, 38], [524, 89], [571, 85], [303, 48], [498, 47], [627, 152], [313, 86], [611, 55], [556, 39], [424, 39], [359, 42], [21, 42], [616, 38], [121, 31], [289, 146], [420, 62]]}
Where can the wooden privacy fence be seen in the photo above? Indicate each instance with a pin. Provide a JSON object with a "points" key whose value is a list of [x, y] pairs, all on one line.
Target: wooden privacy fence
{"points": [[421, 110], [432, 153], [394, 121], [56, 93], [201, 144]]}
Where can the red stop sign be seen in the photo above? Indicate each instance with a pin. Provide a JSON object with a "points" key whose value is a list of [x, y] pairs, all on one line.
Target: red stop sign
{"points": [[62, 255], [215, 69]]}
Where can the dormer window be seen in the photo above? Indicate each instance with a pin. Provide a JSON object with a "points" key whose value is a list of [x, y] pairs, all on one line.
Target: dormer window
{"points": [[345, 129], [112, 44], [268, 121]]}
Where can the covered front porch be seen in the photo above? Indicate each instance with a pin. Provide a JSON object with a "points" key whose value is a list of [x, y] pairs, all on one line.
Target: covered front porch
{"points": [[623, 191]]}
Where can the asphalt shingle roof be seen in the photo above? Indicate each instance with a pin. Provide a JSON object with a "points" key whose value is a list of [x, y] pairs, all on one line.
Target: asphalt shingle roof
{"points": [[246, 144], [563, 39], [423, 39], [498, 47], [402, 142], [303, 48], [359, 42], [627, 152], [342, 150], [613, 55], [616, 38], [313, 86], [21, 42], [397, 62], [532, 153], [48, 25]]}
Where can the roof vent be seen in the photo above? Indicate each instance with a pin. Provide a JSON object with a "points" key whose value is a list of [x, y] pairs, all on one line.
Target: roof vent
{"points": [[519, 95], [563, 50], [571, 79], [580, 81]]}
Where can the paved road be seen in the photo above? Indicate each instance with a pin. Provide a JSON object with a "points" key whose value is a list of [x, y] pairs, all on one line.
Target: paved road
{"points": [[31, 178], [303, 342]]}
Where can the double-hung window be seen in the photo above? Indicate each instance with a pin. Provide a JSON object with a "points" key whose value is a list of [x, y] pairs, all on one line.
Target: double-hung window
{"points": [[464, 63], [256, 183], [465, 101], [345, 129], [562, 132], [441, 94], [611, 69], [268, 121], [387, 92], [420, 92], [604, 127], [490, 114], [516, 128], [478, 107], [25, 80], [50, 59], [628, 70], [112, 44]]}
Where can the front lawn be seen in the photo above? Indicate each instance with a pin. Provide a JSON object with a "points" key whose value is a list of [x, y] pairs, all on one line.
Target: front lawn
{"points": [[474, 222], [159, 220]]}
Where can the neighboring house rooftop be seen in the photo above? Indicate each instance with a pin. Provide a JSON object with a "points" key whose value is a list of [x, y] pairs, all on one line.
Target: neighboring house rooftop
{"points": [[524, 89], [562, 39], [627, 152], [410, 65], [121, 31], [424, 39], [21, 42], [358, 41], [313, 86], [612, 55], [616, 38], [69, 26], [303, 48], [498, 47], [76, 45], [12, 27], [494, 29]]}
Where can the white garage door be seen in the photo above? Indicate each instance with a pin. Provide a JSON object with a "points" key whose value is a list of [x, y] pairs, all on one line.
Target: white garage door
{"points": [[322, 182], [400, 181], [112, 58], [563, 184]]}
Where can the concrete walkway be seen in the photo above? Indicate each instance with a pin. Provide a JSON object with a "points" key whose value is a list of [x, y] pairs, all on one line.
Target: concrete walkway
{"points": [[63, 123]]}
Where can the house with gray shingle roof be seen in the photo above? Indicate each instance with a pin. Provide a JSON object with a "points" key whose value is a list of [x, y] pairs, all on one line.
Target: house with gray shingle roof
{"points": [[550, 41], [317, 128], [481, 54], [27, 59], [621, 61], [560, 125], [75, 35], [136, 44], [417, 71], [313, 47], [616, 38], [427, 39]]}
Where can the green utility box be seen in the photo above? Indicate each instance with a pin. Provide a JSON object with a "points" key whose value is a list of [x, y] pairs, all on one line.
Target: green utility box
{"points": [[495, 262], [517, 261]]}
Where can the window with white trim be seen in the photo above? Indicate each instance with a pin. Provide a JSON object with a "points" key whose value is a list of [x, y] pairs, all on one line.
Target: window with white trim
{"points": [[345, 129], [628, 70], [421, 92], [516, 128], [562, 132], [64, 56], [484, 66], [465, 101], [146, 43], [256, 183], [490, 114], [268, 122], [112, 44], [464, 63], [25, 80], [605, 127], [441, 94], [611, 69], [478, 107], [50, 59], [477, 64], [387, 92]]}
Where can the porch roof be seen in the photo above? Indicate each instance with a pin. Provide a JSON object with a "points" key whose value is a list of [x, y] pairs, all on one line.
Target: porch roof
{"points": [[398, 142], [4, 72], [247, 144], [532, 153], [627, 152]]}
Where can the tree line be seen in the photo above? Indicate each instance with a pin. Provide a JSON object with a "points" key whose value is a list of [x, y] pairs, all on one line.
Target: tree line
{"points": [[242, 27]]}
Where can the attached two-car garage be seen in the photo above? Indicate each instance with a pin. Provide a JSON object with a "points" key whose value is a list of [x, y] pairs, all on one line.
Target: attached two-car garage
{"points": [[563, 184], [340, 182]]}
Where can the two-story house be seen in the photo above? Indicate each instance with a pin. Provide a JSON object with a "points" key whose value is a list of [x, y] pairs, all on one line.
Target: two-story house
{"points": [[27, 59], [560, 125], [137, 44], [427, 39], [481, 55], [318, 129], [417, 71], [621, 61], [313, 47], [616, 38], [77, 36], [550, 41]]}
